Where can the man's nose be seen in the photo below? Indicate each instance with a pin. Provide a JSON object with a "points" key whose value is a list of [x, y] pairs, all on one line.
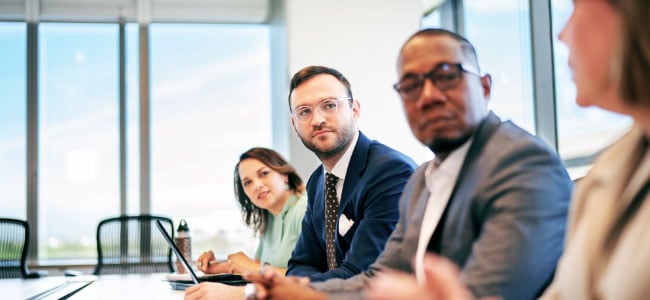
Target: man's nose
{"points": [[317, 118], [430, 94]]}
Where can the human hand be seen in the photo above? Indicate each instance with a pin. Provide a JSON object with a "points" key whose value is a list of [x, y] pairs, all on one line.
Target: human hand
{"points": [[272, 285], [240, 263], [206, 264], [212, 290], [442, 283]]}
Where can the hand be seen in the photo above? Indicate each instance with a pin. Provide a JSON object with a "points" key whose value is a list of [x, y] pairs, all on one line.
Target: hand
{"points": [[272, 285], [203, 264], [211, 290], [442, 283], [240, 263]]}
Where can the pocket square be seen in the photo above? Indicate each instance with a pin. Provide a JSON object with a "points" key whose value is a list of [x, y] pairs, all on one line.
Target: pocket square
{"points": [[344, 224]]}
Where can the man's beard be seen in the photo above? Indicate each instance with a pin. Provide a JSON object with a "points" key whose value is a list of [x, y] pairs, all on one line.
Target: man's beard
{"points": [[342, 140], [440, 146]]}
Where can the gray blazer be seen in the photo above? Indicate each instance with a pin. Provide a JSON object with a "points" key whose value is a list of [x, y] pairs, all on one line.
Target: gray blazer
{"points": [[504, 223]]}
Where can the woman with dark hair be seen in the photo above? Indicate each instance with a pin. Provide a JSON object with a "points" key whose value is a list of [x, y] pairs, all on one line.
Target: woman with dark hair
{"points": [[273, 202]]}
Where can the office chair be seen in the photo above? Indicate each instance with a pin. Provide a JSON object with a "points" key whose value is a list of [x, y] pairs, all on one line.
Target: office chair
{"points": [[132, 244], [14, 243]]}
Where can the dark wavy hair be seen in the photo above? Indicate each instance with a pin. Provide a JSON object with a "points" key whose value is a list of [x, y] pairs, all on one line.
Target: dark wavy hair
{"points": [[255, 217]]}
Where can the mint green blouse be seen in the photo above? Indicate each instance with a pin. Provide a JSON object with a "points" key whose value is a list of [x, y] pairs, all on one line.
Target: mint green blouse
{"points": [[282, 233]]}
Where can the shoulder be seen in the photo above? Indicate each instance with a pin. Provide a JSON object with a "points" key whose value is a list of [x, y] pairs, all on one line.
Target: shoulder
{"points": [[380, 153]]}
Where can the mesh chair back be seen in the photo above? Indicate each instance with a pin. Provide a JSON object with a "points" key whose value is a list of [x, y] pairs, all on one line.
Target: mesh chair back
{"points": [[14, 242], [133, 244]]}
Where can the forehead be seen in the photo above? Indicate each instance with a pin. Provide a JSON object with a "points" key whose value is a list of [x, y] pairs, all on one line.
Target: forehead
{"points": [[249, 166], [316, 88], [423, 53]]}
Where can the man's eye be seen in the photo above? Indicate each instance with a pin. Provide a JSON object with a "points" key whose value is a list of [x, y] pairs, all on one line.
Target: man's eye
{"points": [[304, 112], [409, 85], [446, 76]]}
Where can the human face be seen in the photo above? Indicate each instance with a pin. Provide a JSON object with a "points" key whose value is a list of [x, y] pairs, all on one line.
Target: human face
{"points": [[442, 120], [263, 186], [327, 137], [593, 37]]}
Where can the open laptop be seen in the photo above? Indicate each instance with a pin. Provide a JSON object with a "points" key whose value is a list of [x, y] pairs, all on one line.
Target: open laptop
{"points": [[230, 279]]}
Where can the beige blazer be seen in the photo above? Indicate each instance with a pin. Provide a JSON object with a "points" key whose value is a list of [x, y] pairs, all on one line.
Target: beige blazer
{"points": [[586, 270]]}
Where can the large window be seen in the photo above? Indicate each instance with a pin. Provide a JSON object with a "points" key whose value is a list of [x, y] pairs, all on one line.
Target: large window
{"points": [[78, 136], [12, 120], [210, 102], [583, 132], [500, 32]]}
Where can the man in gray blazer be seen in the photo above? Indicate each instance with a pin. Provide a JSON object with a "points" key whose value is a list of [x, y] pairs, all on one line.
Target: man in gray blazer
{"points": [[494, 200]]}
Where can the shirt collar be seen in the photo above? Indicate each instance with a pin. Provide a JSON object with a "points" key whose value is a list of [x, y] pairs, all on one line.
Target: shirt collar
{"points": [[450, 166], [341, 166]]}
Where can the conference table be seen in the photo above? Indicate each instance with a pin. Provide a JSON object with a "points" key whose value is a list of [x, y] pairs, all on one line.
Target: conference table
{"points": [[134, 286]]}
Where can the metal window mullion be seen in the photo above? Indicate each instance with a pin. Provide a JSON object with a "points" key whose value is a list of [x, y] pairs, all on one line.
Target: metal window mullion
{"points": [[145, 140], [122, 116], [32, 138], [544, 96]]}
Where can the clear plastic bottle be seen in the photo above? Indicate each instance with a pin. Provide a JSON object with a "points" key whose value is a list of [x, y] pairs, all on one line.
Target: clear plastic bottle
{"points": [[183, 241]]}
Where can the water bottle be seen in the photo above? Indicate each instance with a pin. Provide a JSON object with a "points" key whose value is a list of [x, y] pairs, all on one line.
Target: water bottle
{"points": [[184, 243]]}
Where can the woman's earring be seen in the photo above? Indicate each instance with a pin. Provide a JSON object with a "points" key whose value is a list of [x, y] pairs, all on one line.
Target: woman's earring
{"points": [[287, 187]]}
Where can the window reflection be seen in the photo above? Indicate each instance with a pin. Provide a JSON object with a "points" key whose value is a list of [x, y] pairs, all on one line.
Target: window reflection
{"points": [[12, 120], [209, 103], [78, 136]]}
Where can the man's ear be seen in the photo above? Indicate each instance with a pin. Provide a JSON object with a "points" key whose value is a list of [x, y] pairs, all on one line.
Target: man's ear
{"points": [[486, 83], [293, 124]]}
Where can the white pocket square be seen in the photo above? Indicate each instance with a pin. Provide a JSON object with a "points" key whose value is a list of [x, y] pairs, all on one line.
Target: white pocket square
{"points": [[344, 224]]}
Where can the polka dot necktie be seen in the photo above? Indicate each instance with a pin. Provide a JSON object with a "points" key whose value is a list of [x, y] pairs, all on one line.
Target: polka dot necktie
{"points": [[331, 212]]}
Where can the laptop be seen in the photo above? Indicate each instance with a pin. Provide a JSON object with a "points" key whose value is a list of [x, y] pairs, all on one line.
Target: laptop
{"points": [[181, 284]]}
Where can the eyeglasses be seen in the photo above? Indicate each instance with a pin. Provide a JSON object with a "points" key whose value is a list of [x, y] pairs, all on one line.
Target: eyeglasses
{"points": [[444, 76], [326, 107]]}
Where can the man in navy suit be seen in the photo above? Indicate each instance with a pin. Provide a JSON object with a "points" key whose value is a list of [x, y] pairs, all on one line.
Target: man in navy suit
{"points": [[371, 177]]}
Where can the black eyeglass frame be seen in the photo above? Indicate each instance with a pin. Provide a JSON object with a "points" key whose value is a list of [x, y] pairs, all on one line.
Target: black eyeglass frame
{"points": [[421, 78]]}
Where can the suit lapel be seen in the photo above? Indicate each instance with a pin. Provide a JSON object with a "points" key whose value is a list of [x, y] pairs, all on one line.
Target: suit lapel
{"points": [[355, 170]]}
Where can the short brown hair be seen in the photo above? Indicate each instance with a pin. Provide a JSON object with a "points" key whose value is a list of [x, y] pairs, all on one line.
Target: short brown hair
{"points": [[308, 72]]}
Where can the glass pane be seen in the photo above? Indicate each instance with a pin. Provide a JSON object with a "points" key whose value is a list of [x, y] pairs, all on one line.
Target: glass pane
{"points": [[78, 142], [210, 102], [13, 120], [500, 31], [582, 132]]}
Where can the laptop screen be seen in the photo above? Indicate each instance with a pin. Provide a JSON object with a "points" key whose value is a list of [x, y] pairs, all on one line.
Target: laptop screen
{"points": [[176, 251]]}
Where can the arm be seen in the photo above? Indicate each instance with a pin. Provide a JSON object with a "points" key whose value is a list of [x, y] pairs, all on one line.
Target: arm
{"points": [[378, 199], [308, 256], [523, 205]]}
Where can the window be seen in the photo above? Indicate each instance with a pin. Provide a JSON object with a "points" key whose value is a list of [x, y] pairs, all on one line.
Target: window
{"points": [[500, 32], [13, 120], [78, 136], [583, 132], [210, 101]]}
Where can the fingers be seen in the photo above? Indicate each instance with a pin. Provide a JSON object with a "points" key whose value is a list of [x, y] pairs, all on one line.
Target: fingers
{"points": [[203, 261], [443, 278]]}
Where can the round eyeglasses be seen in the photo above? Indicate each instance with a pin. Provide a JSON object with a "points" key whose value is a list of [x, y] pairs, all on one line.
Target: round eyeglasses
{"points": [[444, 76], [326, 107]]}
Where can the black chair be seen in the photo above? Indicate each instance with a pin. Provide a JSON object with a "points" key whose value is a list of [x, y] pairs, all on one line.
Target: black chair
{"points": [[14, 243], [133, 244]]}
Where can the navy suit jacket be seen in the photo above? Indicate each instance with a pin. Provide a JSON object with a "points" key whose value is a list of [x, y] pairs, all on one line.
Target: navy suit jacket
{"points": [[373, 184]]}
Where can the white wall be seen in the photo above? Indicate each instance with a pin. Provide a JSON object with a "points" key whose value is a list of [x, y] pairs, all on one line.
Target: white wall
{"points": [[361, 39]]}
